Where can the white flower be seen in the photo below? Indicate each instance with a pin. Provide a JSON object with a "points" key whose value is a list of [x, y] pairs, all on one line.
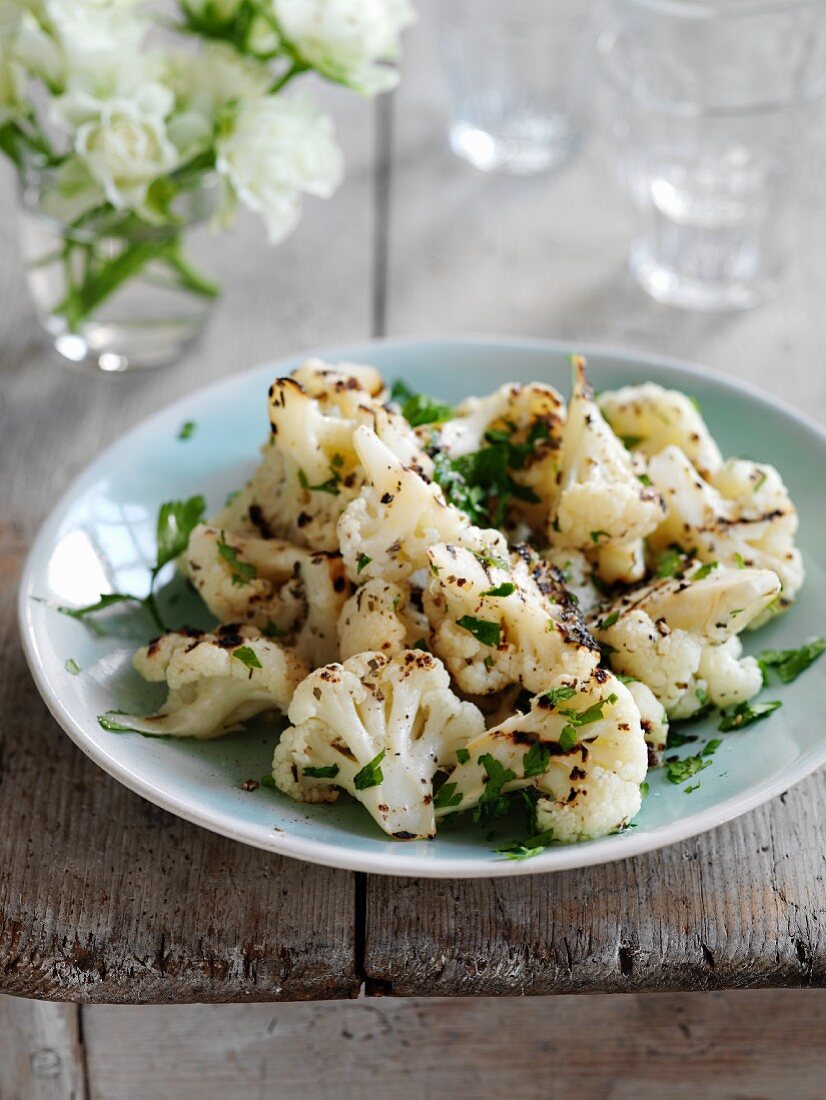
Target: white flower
{"points": [[125, 143], [276, 149], [207, 81], [346, 40], [96, 28], [12, 80]]}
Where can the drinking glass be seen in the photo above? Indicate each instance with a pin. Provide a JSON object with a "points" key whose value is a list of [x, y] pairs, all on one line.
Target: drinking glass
{"points": [[518, 73], [712, 103]]}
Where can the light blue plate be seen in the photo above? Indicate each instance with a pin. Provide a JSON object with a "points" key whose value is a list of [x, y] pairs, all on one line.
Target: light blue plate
{"points": [[101, 538]]}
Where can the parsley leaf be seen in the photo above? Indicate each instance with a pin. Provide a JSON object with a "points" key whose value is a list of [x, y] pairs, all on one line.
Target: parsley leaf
{"points": [[241, 572], [417, 408], [480, 483], [536, 759], [100, 605], [632, 441], [669, 562], [329, 486], [363, 562], [328, 771], [247, 656], [187, 429], [72, 667], [789, 663], [531, 846], [268, 781], [597, 535], [678, 771], [744, 714], [507, 588], [558, 695], [371, 774], [591, 714], [462, 755], [493, 803], [176, 521], [568, 737], [609, 620], [446, 797], [483, 630], [112, 725], [704, 571]]}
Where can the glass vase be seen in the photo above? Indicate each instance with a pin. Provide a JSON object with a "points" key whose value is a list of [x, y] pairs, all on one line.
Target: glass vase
{"points": [[112, 290]]}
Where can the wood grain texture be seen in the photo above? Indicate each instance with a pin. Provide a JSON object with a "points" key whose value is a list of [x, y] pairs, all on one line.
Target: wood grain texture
{"points": [[745, 904], [103, 896], [41, 1056], [733, 1046]]}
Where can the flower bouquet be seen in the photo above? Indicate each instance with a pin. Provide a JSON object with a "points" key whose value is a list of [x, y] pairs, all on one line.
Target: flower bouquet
{"points": [[130, 125]]}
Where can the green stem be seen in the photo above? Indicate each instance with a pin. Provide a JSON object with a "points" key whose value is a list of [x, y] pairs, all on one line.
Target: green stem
{"points": [[294, 70], [188, 277], [80, 301]]}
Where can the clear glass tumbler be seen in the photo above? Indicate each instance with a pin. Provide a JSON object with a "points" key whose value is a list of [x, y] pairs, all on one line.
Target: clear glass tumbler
{"points": [[518, 73], [711, 104]]}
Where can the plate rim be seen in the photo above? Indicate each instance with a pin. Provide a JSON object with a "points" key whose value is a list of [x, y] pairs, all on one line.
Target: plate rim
{"points": [[392, 862]]}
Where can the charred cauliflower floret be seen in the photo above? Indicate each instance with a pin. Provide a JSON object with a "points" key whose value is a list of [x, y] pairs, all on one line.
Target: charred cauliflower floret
{"points": [[310, 470], [678, 636], [603, 508], [326, 380], [216, 681], [289, 592], [580, 745], [498, 622], [528, 420], [386, 531], [649, 418], [379, 728], [382, 616], [744, 516], [577, 574], [653, 718]]}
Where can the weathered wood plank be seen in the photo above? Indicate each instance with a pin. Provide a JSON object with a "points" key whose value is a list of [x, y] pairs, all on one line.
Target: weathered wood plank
{"points": [[716, 1046], [743, 905], [102, 896], [40, 1051]]}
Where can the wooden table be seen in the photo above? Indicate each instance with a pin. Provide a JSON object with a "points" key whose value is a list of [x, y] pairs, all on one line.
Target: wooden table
{"points": [[105, 898]]}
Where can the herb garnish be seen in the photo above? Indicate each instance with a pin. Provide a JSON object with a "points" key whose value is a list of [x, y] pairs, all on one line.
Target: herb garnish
{"points": [[531, 846], [493, 803], [241, 572], [704, 570], [363, 562], [187, 429], [789, 663], [328, 771], [558, 695], [483, 630], [506, 588], [536, 760], [72, 666], [371, 774], [744, 714], [331, 485], [417, 408], [462, 755], [446, 797], [247, 656], [678, 771]]}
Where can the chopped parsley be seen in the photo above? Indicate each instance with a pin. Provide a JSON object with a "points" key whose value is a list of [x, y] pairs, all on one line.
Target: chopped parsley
{"points": [[531, 846], [370, 775], [328, 771], [738, 560], [789, 663], [112, 725], [609, 620], [704, 571], [760, 482], [481, 483], [645, 787], [632, 441], [273, 630], [493, 803], [247, 656], [421, 644], [568, 737], [678, 771], [268, 781], [483, 630], [447, 797], [645, 480], [462, 755], [489, 561], [597, 535], [187, 429], [711, 746], [558, 695], [536, 759], [363, 562], [241, 572], [744, 714], [417, 408], [691, 788], [331, 485], [591, 714], [669, 562], [72, 667], [507, 588]]}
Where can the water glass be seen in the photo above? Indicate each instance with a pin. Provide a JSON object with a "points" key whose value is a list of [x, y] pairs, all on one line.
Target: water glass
{"points": [[518, 74], [712, 104]]}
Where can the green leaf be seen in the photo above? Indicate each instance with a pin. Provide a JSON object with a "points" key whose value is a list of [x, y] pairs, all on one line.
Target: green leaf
{"points": [[739, 560], [568, 737], [446, 797], [597, 535], [484, 631], [187, 429], [644, 789], [669, 562], [609, 620], [507, 588], [247, 656], [109, 600], [176, 521], [691, 788], [331, 485], [536, 759], [591, 714], [789, 663], [531, 846], [632, 441], [418, 409], [268, 781], [712, 746], [678, 771], [273, 630], [371, 774], [559, 695], [462, 755], [241, 572], [107, 722], [72, 667], [363, 562], [489, 561], [744, 714], [328, 771], [704, 571], [492, 803]]}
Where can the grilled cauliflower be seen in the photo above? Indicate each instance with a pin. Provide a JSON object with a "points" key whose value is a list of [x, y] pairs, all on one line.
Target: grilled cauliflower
{"points": [[379, 728], [325, 380], [286, 590], [216, 681], [310, 469], [497, 622], [381, 615], [678, 635], [529, 419], [580, 746], [744, 516], [386, 531], [653, 718], [603, 507], [577, 574], [650, 418]]}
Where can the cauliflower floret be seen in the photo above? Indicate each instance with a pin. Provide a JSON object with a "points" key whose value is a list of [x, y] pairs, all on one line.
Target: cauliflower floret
{"points": [[381, 610], [216, 681], [649, 418], [530, 419], [310, 470], [325, 380], [386, 531], [288, 591], [653, 719], [577, 574], [664, 632], [743, 517], [603, 507], [581, 746], [497, 623], [379, 728]]}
